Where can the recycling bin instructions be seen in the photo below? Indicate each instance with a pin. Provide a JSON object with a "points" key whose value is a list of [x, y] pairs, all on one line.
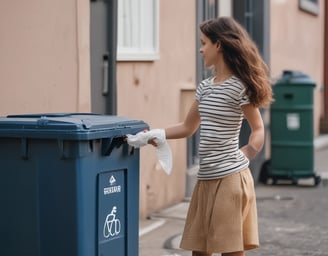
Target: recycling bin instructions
{"points": [[69, 185], [111, 210]]}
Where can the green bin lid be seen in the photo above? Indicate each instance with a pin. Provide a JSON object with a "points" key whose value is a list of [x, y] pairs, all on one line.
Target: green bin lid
{"points": [[295, 78], [70, 126]]}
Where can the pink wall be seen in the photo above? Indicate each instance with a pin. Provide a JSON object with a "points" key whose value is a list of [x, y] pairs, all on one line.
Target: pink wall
{"points": [[297, 44], [296, 39], [45, 67], [44, 49], [151, 91]]}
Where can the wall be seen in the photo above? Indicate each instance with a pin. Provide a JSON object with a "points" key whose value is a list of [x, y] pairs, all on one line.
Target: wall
{"points": [[45, 67], [297, 44], [44, 49], [151, 91]]}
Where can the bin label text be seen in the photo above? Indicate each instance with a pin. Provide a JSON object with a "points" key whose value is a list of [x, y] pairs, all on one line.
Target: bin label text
{"points": [[112, 188]]}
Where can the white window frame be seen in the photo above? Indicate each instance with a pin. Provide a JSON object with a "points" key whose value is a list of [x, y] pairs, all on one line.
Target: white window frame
{"points": [[138, 30]]}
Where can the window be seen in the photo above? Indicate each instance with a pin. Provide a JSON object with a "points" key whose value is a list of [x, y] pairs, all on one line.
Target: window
{"points": [[254, 15], [138, 27]]}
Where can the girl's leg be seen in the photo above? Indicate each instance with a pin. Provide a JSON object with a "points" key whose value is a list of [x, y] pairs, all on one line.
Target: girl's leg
{"points": [[234, 254], [194, 253]]}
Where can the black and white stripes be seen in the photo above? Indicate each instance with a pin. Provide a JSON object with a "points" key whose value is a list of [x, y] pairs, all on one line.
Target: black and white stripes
{"points": [[221, 118]]}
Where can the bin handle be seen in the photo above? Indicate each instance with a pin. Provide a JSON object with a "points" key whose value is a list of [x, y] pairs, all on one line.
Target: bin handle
{"points": [[105, 75], [288, 96], [108, 144]]}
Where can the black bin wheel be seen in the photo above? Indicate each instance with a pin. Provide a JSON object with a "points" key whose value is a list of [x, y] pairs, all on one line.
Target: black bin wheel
{"points": [[317, 180], [265, 172]]}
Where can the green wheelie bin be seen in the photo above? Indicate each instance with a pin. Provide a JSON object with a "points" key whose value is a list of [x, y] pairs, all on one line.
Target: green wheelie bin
{"points": [[292, 132]]}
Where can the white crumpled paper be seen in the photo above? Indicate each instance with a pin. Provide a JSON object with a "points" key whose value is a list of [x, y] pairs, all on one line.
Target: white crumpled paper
{"points": [[163, 150]]}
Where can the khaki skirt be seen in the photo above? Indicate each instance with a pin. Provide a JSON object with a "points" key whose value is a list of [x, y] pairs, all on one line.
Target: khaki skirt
{"points": [[222, 215]]}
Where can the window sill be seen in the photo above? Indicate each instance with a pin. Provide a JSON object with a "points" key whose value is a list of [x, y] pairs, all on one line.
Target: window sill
{"points": [[137, 57]]}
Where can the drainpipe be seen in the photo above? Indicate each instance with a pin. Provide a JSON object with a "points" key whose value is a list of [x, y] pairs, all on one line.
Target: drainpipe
{"points": [[325, 73]]}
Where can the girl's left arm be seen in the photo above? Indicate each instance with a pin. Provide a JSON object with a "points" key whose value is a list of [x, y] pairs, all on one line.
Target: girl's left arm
{"points": [[256, 138]]}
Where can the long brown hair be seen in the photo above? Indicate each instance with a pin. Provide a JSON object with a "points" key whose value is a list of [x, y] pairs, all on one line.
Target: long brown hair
{"points": [[242, 57]]}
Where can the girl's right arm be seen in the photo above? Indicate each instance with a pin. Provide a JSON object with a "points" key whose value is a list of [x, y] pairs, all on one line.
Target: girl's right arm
{"points": [[186, 128]]}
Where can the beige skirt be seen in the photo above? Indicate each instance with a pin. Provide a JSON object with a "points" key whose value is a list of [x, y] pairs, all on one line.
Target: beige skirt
{"points": [[222, 215]]}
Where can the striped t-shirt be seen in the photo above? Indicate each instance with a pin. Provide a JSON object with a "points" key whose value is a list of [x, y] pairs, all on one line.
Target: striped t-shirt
{"points": [[221, 118]]}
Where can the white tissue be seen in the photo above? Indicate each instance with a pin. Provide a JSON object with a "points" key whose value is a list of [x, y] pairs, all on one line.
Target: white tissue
{"points": [[139, 140], [164, 156], [163, 150]]}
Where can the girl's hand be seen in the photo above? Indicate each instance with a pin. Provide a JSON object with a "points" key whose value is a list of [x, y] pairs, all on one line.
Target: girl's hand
{"points": [[152, 142]]}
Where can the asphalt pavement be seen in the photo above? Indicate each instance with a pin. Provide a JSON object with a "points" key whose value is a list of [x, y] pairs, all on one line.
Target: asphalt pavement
{"points": [[293, 219]]}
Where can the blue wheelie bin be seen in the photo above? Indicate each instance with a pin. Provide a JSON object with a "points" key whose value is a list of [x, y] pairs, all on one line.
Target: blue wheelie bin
{"points": [[69, 185]]}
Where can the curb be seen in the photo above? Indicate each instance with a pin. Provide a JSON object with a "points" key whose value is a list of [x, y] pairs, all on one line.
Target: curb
{"points": [[150, 227], [321, 142]]}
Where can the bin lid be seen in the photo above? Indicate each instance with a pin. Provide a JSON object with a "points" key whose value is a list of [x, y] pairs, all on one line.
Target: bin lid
{"points": [[295, 78], [71, 126]]}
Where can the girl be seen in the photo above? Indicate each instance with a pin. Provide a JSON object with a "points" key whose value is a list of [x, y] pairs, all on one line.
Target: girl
{"points": [[222, 216]]}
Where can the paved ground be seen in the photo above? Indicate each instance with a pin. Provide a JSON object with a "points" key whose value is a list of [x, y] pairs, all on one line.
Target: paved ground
{"points": [[293, 220]]}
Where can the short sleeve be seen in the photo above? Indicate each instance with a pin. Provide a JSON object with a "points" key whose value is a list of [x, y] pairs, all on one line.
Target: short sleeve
{"points": [[199, 90], [243, 98]]}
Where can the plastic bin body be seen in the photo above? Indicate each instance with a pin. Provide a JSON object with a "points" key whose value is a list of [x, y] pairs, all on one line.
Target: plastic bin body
{"points": [[69, 186], [292, 135]]}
